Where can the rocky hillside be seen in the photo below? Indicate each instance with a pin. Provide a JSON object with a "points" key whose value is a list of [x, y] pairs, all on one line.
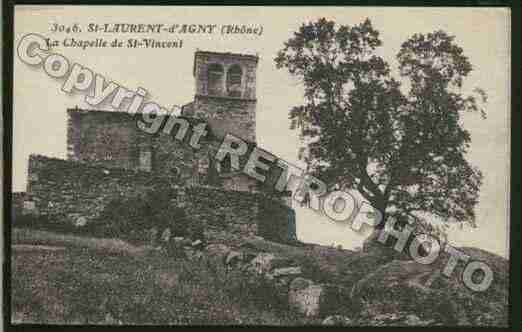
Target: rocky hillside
{"points": [[373, 287], [283, 284]]}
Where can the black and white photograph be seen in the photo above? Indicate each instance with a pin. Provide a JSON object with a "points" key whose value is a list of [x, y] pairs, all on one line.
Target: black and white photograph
{"points": [[260, 166]]}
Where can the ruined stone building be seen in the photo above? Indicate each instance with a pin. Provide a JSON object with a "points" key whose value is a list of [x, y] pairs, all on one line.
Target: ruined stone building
{"points": [[109, 156], [225, 97]]}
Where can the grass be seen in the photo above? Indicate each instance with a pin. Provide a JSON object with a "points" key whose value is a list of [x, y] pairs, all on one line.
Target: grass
{"points": [[109, 246], [65, 279]]}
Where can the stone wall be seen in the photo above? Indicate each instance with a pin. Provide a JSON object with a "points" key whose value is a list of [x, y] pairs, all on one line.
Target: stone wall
{"points": [[109, 139], [112, 140], [247, 63], [19, 205], [243, 213], [224, 112], [69, 191], [228, 115], [220, 209]]}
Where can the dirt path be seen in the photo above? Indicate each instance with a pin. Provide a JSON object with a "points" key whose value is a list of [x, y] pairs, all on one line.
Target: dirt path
{"points": [[45, 239]]}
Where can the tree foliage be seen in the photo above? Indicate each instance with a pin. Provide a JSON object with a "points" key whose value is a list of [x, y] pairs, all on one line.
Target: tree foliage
{"points": [[399, 142]]}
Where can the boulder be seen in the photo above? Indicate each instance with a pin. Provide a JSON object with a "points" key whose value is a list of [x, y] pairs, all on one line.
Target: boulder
{"points": [[413, 320], [166, 235], [80, 221], [217, 248], [262, 263], [110, 320], [189, 252], [286, 271], [282, 285], [337, 320], [398, 287], [166, 279], [335, 300], [153, 236], [485, 308], [218, 251], [304, 296], [233, 257], [196, 255], [414, 290], [395, 319]]}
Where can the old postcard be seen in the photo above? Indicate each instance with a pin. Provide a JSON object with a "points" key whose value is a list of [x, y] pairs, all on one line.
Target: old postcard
{"points": [[178, 165]]}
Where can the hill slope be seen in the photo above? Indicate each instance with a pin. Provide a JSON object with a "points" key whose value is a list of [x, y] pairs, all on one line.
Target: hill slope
{"points": [[65, 279]]}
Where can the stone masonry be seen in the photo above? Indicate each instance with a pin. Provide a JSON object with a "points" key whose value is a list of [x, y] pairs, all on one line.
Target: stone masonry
{"points": [[110, 157]]}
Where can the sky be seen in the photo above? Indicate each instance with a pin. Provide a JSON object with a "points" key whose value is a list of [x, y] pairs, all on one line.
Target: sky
{"points": [[39, 114]]}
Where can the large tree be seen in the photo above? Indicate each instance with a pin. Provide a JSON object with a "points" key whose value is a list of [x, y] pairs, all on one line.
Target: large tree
{"points": [[398, 141]]}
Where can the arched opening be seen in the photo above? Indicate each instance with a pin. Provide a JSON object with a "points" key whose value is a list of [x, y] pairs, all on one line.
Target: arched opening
{"points": [[234, 75], [215, 79]]}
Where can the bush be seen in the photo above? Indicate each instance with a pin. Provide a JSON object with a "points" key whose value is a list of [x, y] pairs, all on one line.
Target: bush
{"points": [[26, 220], [126, 218], [42, 222], [131, 218]]}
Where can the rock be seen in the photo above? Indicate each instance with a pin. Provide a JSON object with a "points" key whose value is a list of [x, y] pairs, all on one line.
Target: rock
{"points": [[248, 255], [109, 319], [248, 269], [167, 279], [286, 271], [165, 236], [182, 240], [262, 263], [153, 236], [192, 254], [335, 299], [233, 257], [337, 320], [80, 221], [281, 286], [189, 252], [300, 283], [416, 290], [397, 287], [487, 308], [218, 251], [175, 248], [265, 262], [413, 320], [304, 296], [389, 319]]}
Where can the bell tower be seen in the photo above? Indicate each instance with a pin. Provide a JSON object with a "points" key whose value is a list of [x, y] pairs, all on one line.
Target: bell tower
{"points": [[226, 93]]}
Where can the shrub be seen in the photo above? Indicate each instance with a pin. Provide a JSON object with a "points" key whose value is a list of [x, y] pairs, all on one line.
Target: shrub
{"points": [[130, 218], [41, 222], [26, 220]]}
